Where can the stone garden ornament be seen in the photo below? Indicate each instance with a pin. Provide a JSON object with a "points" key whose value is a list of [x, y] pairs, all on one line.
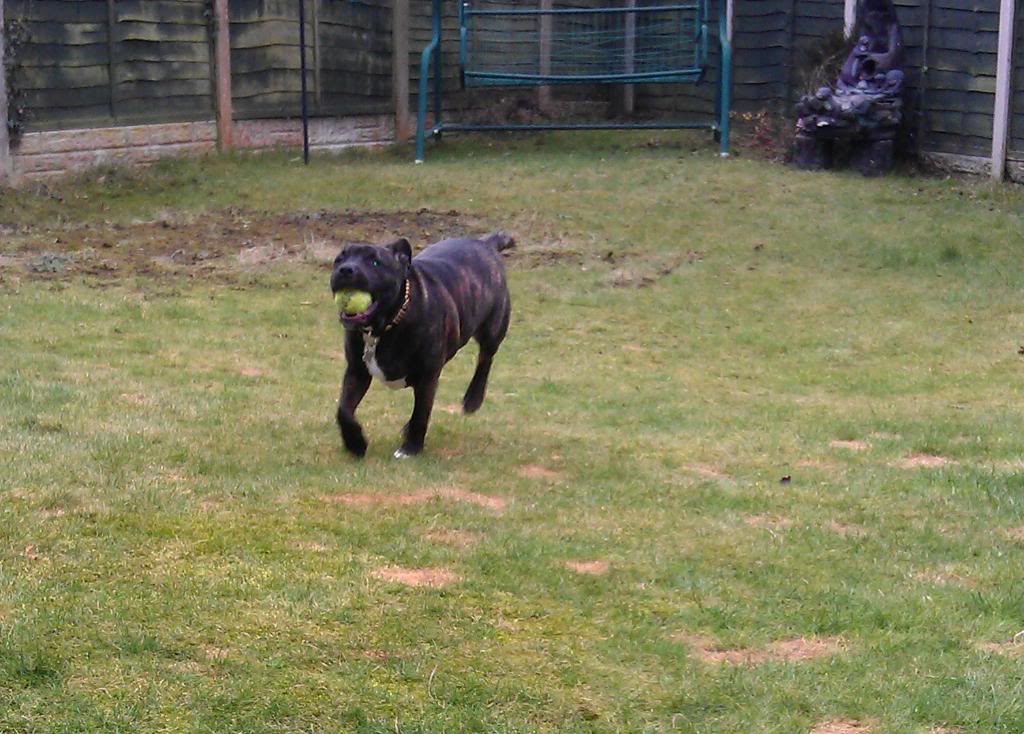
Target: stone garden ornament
{"points": [[865, 107]]}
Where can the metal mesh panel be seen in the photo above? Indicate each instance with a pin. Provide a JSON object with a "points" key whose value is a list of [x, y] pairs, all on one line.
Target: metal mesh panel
{"points": [[503, 43]]}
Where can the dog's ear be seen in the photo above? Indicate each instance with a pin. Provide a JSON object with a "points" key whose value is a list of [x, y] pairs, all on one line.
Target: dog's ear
{"points": [[402, 250]]}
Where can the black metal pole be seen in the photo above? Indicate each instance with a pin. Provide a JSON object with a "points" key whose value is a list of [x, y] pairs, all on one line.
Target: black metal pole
{"points": [[302, 66]]}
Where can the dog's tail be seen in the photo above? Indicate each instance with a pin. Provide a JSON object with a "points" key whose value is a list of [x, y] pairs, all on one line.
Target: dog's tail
{"points": [[500, 241]]}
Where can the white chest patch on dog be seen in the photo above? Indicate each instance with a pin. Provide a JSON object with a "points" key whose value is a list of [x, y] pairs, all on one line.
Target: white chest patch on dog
{"points": [[370, 360]]}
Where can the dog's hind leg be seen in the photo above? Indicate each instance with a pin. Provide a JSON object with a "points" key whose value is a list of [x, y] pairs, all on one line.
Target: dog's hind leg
{"points": [[474, 396], [489, 338]]}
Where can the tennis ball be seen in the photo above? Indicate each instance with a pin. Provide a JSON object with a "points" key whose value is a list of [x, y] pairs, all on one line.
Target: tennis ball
{"points": [[352, 302]]}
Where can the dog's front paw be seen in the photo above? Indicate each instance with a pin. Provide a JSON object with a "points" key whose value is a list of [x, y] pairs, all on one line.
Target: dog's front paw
{"points": [[356, 447], [352, 436], [399, 454]]}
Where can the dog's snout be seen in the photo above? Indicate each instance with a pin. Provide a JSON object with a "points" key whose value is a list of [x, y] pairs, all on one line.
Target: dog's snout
{"points": [[345, 271]]}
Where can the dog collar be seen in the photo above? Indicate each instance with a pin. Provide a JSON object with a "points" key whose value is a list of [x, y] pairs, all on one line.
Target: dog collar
{"points": [[398, 316]]}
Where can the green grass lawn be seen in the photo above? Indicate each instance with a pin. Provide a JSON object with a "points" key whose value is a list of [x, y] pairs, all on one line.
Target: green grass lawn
{"points": [[610, 544]]}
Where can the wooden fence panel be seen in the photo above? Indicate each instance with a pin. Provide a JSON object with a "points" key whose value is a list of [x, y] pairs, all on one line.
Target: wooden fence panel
{"points": [[162, 70], [61, 69], [960, 82], [814, 19], [92, 62], [1016, 143], [348, 57], [354, 49], [265, 58]]}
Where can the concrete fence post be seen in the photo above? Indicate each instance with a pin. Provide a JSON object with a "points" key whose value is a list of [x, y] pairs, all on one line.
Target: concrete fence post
{"points": [[6, 169], [1004, 89]]}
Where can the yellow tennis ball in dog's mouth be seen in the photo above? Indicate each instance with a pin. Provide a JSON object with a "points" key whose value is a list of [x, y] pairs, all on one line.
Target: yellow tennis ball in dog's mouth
{"points": [[352, 302]]}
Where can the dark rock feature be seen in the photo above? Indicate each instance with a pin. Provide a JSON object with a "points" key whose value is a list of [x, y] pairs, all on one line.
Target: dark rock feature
{"points": [[865, 107]]}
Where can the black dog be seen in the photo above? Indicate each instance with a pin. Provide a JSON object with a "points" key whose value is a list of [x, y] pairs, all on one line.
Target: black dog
{"points": [[424, 310]]}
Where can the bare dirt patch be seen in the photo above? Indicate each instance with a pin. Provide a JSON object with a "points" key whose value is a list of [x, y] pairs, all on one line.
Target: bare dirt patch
{"points": [[378, 655], [841, 726], [768, 522], [1016, 534], [649, 273], [589, 568], [536, 471], [451, 494], [462, 539], [707, 471], [945, 576], [432, 578], [190, 667], [252, 372], [923, 461], [231, 244], [215, 243], [310, 546], [850, 445], [847, 530], [783, 651], [212, 653], [1013, 648]]}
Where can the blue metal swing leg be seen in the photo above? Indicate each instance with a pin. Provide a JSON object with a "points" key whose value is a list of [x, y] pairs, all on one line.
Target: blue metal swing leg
{"points": [[433, 50]]}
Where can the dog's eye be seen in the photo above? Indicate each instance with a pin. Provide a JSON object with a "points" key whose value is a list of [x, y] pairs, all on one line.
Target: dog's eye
{"points": [[375, 262]]}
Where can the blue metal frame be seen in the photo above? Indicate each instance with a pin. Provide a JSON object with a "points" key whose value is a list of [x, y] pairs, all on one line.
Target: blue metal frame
{"points": [[723, 102]]}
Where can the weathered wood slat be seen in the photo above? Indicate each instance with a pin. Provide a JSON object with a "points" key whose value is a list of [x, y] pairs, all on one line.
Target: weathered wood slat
{"points": [[53, 100], [268, 33], [163, 11], [181, 106], [165, 51], [156, 71], [66, 118], [964, 123], [149, 31], [60, 77], [52, 55], [65, 34], [957, 100], [939, 79], [58, 11], [169, 90]]}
